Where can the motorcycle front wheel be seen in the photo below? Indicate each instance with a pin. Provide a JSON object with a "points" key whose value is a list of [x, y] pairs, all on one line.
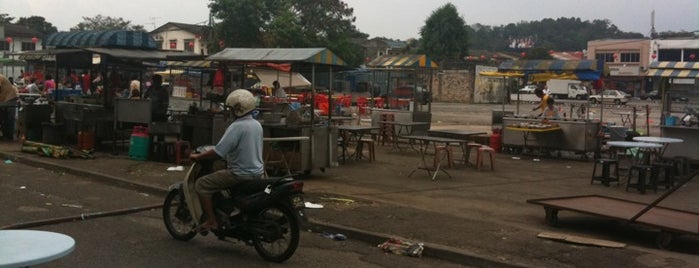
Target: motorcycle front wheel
{"points": [[277, 233], [178, 222]]}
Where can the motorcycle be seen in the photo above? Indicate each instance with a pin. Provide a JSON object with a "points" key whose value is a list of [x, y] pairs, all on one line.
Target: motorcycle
{"points": [[266, 214]]}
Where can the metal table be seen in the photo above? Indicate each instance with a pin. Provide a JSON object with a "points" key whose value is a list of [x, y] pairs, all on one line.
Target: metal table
{"points": [[660, 140], [422, 149]]}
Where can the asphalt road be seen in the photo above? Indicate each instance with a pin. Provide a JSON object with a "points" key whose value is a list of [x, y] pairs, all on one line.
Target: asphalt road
{"points": [[140, 239]]}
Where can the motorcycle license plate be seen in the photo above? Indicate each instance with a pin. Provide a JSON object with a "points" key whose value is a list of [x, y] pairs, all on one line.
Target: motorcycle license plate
{"points": [[297, 201]]}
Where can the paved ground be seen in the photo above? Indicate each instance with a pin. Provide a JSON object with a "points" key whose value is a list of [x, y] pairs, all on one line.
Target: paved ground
{"points": [[477, 218]]}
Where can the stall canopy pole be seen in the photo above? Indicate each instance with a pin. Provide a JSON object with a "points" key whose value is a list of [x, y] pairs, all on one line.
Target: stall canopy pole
{"points": [[331, 145]]}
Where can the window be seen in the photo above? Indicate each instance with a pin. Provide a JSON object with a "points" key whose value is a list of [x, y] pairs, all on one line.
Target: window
{"points": [[630, 57], [189, 45], [4, 46], [605, 57], [173, 44], [28, 46]]}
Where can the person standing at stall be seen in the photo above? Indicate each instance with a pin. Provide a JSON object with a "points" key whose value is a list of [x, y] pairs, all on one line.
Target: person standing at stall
{"points": [[278, 91], [551, 112], [160, 99], [539, 92], [135, 88], [49, 85]]}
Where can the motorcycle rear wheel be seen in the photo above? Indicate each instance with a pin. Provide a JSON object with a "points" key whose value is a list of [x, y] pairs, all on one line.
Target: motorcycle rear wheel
{"points": [[278, 237], [178, 222]]}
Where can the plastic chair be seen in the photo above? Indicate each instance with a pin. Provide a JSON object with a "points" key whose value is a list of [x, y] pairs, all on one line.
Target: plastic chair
{"points": [[362, 103]]}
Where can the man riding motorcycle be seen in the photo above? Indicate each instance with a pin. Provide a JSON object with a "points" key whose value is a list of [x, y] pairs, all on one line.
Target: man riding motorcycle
{"points": [[241, 146]]}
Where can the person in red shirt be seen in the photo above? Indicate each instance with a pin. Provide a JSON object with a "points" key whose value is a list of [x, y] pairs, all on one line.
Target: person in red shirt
{"points": [[86, 82], [49, 85]]}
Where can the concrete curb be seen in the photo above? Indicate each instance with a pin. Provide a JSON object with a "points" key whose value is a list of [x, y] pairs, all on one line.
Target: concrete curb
{"points": [[431, 250]]}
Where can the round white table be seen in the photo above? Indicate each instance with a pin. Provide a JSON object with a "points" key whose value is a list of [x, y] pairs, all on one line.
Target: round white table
{"points": [[661, 140], [652, 148], [22, 248]]}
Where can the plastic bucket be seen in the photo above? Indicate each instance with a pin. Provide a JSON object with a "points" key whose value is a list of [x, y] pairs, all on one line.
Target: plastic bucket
{"points": [[670, 120]]}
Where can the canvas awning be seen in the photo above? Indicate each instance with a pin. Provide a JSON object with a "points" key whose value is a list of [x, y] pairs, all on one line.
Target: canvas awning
{"points": [[674, 69], [403, 61], [112, 38], [279, 55], [267, 76], [191, 63], [535, 66]]}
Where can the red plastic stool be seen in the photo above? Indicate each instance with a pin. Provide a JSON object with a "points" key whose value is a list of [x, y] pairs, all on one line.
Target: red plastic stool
{"points": [[182, 151]]}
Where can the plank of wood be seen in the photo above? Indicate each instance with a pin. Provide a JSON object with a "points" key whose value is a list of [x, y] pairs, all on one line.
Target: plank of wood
{"points": [[580, 240]]}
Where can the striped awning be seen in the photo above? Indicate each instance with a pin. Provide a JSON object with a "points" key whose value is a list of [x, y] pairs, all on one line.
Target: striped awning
{"points": [[548, 65], [191, 63], [278, 55], [112, 38], [674, 69], [401, 61]]}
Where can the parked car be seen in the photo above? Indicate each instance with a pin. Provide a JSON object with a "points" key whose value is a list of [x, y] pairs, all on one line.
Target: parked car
{"points": [[527, 89], [655, 95], [611, 95]]}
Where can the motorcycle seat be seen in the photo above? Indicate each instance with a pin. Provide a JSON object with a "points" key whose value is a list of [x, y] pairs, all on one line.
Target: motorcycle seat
{"points": [[254, 186]]}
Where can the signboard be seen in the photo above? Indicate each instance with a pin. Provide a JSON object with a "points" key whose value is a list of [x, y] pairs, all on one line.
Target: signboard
{"points": [[624, 70]]}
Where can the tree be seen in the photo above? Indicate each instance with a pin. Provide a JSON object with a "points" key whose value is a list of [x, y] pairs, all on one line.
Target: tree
{"points": [[445, 34], [288, 23], [38, 24], [101, 23], [5, 18]]}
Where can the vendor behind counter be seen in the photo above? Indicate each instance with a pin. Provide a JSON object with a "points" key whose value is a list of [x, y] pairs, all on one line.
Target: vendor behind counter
{"points": [[160, 98]]}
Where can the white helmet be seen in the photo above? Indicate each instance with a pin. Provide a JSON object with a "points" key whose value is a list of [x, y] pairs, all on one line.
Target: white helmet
{"points": [[241, 101]]}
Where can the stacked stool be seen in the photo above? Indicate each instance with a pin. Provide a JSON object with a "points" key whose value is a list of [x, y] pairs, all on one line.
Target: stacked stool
{"points": [[369, 142], [646, 178], [605, 177], [387, 131], [479, 157]]}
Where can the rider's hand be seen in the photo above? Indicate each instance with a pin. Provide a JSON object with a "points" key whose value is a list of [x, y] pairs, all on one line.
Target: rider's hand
{"points": [[194, 157]]}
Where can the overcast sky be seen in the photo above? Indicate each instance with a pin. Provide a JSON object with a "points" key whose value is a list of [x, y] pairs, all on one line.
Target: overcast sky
{"points": [[397, 19]]}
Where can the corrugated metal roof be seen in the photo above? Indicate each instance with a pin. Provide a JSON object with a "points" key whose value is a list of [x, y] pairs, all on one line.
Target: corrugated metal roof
{"points": [[548, 65], [114, 38], [308, 55], [411, 60], [674, 69]]}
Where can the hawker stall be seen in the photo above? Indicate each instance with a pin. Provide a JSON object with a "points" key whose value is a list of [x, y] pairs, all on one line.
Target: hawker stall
{"points": [[564, 132], [679, 119], [402, 87], [92, 71], [281, 116]]}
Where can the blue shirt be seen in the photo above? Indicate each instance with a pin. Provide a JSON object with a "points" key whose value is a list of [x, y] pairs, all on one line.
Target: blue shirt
{"points": [[241, 146]]}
